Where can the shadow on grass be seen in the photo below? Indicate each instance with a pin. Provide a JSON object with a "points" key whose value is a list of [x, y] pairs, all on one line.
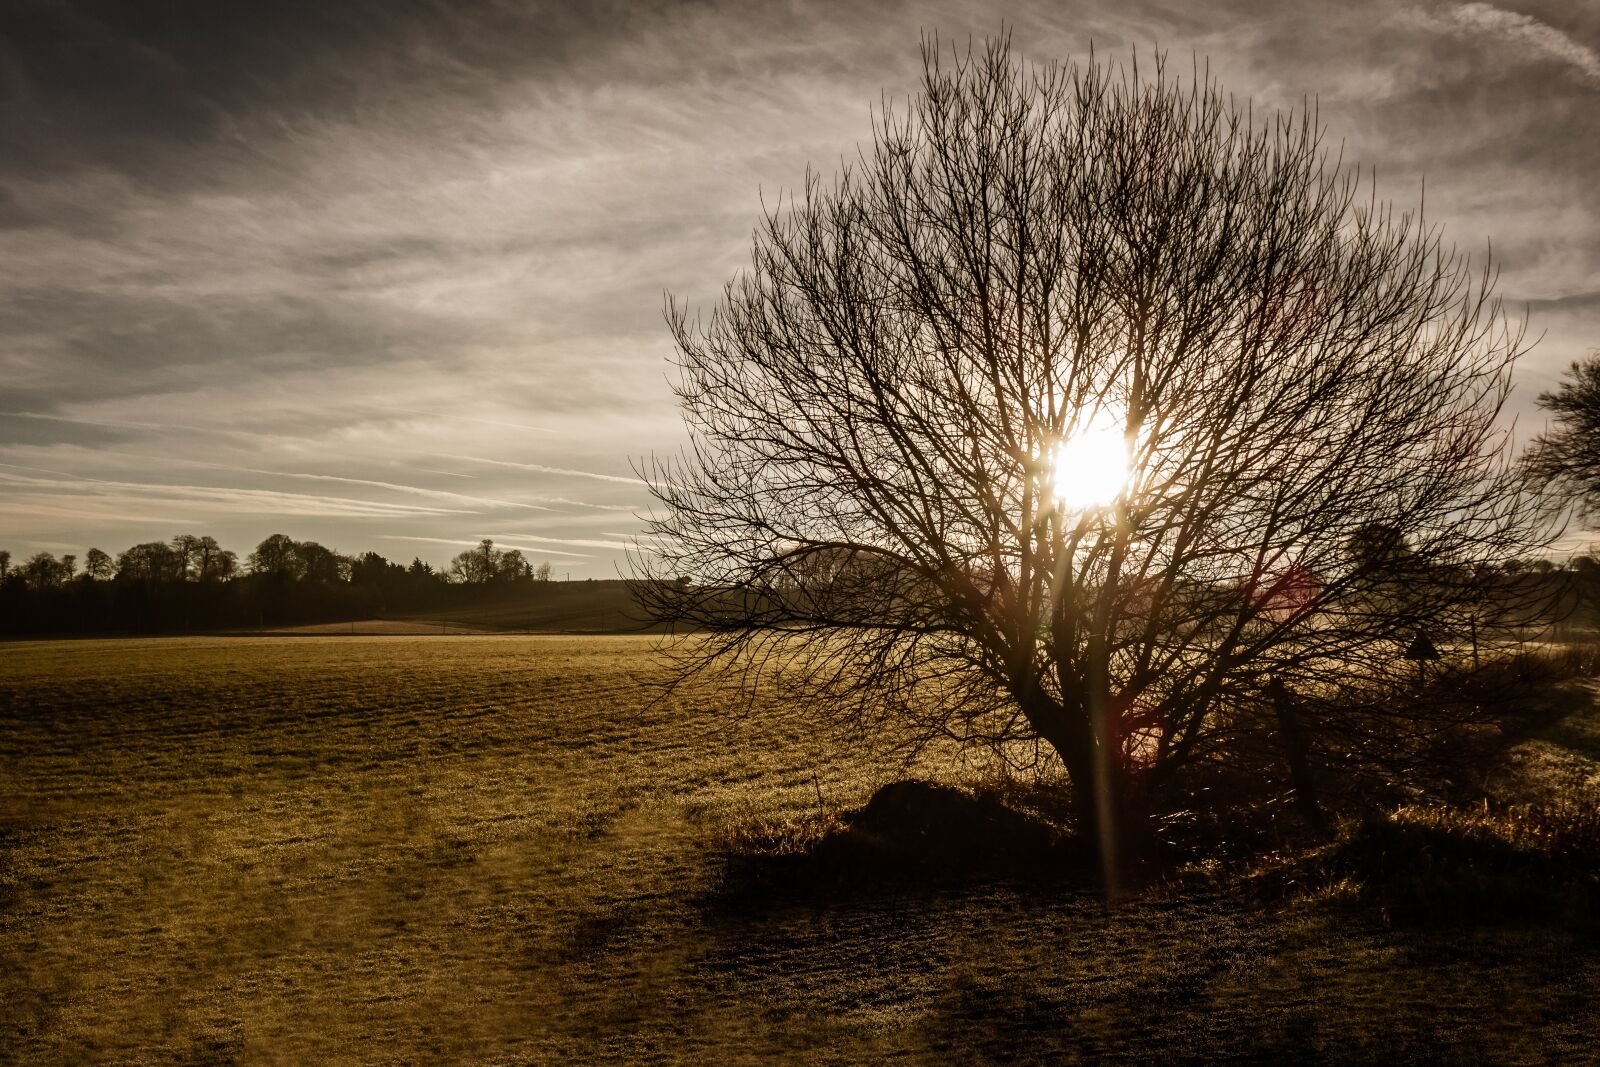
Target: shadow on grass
{"points": [[1578, 738], [1438, 866], [912, 836]]}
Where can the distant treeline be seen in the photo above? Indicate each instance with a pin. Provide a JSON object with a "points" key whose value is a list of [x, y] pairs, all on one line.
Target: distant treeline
{"points": [[192, 583]]}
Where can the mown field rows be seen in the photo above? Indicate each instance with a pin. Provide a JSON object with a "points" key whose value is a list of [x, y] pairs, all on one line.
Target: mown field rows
{"points": [[494, 849]]}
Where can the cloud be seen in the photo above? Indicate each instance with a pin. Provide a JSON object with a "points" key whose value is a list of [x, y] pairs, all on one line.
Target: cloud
{"points": [[1531, 35], [474, 543], [115, 513], [214, 498], [439, 494], [159, 427], [1584, 301], [543, 469], [364, 243], [481, 422], [575, 541]]}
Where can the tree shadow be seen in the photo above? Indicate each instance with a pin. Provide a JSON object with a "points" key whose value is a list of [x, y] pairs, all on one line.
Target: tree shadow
{"points": [[1437, 866], [912, 837]]}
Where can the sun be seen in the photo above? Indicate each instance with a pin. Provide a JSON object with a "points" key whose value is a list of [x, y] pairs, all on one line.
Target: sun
{"points": [[1090, 469]]}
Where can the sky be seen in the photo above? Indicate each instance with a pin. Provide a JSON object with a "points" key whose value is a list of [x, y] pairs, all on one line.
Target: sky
{"points": [[389, 274]]}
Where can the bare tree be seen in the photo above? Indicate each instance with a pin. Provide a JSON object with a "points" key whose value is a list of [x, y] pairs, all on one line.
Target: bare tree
{"points": [[212, 562], [476, 566], [278, 558], [1569, 453], [152, 562], [187, 547], [44, 571], [1056, 419], [1567, 458], [319, 563], [99, 565], [512, 566], [486, 564]]}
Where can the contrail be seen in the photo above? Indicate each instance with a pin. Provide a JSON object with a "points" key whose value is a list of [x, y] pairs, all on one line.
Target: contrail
{"points": [[580, 542], [540, 467], [468, 418], [473, 544], [224, 494]]}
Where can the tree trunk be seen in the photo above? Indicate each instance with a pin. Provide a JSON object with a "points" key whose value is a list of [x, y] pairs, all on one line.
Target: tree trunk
{"points": [[1113, 821], [1297, 752]]}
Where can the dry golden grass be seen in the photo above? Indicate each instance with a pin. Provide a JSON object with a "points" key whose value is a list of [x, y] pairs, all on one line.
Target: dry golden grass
{"points": [[493, 849]]}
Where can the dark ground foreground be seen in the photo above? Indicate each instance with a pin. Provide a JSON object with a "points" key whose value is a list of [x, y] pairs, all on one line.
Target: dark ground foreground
{"points": [[492, 849]]}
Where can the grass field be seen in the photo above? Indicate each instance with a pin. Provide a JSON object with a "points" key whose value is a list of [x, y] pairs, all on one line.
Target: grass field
{"points": [[495, 849]]}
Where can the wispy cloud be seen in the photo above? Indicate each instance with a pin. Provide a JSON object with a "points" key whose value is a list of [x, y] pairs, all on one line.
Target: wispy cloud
{"points": [[258, 501], [1528, 33], [472, 419], [444, 229], [578, 542], [113, 513], [543, 469], [568, 501], [474, 543], [397, 487], [161, 427], [416, 490]]}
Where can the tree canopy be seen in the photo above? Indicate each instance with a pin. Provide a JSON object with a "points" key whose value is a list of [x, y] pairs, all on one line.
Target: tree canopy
{"points": [[1075, 411], [1568, 454]]}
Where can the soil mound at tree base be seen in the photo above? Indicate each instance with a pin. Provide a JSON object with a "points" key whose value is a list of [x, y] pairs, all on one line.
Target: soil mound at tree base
{"points": [[914, 834]]}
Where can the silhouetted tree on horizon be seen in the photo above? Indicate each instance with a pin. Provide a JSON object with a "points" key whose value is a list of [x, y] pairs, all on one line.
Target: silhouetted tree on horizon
{"points": [[475, 566], [277, 558], [44, 571], [150, 562], [191, 583], [486, 564], [99, 566], [1568, 454]]}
